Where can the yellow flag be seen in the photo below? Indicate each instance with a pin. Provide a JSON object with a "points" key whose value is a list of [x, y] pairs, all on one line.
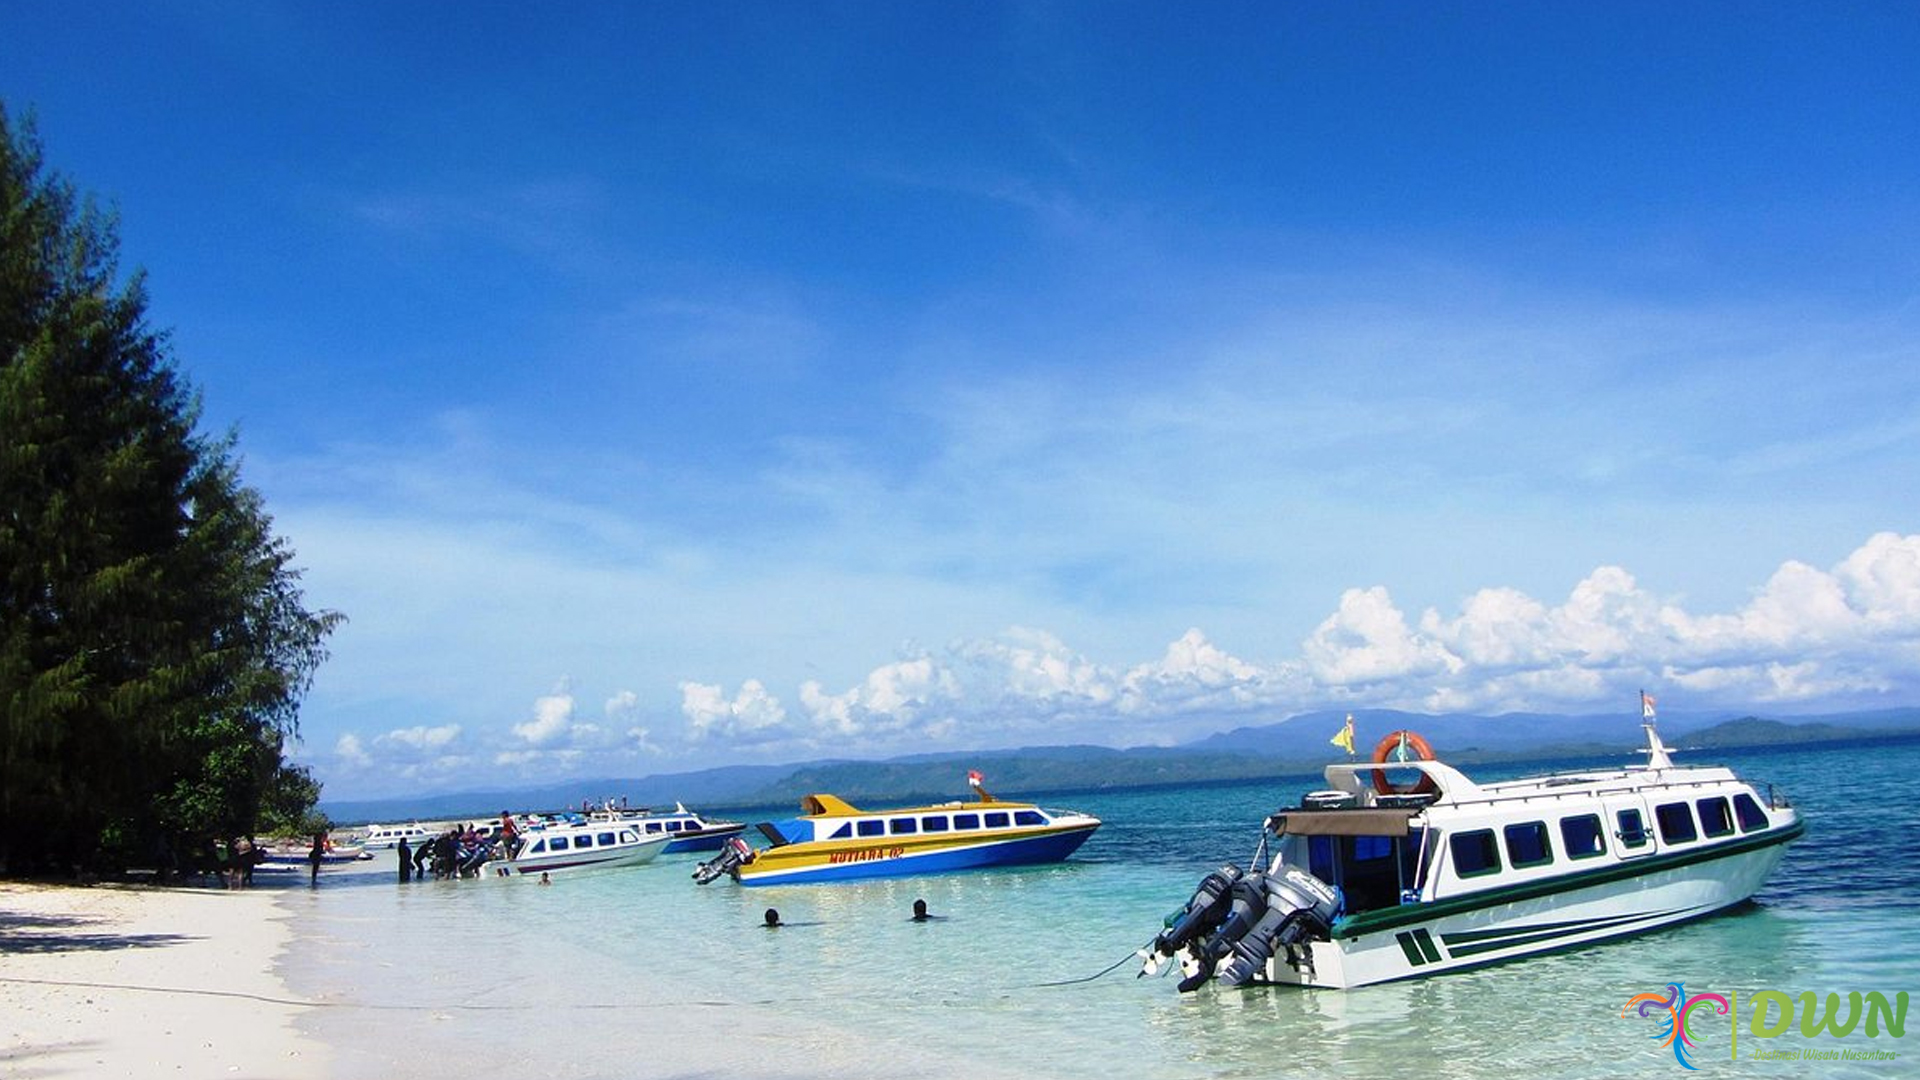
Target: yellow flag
{"points": [[1344, 737]]}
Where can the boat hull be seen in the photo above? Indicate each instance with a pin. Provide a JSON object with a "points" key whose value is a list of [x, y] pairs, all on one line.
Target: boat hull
{"points": [[1415, 941], [819, 862], [595, 859]]}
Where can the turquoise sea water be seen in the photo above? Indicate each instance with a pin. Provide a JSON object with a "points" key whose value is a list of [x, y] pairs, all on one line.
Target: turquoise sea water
{"points": [[640, 973]]}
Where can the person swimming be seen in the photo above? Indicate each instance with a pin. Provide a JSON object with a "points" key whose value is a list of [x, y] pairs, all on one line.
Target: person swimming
{"points": [[920, 912], [773, 919]]}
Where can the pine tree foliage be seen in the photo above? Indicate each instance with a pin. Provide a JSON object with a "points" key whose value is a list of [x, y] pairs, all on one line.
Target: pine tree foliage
{"points": [[154, 645]]}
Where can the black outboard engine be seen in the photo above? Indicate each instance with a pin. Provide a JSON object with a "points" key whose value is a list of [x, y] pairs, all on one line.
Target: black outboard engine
{"points": [[1298, 906], [734, 855], [1203, 912]]}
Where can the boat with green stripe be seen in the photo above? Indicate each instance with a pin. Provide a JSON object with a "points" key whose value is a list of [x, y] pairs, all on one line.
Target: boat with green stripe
{"points": [[1405, 867]]}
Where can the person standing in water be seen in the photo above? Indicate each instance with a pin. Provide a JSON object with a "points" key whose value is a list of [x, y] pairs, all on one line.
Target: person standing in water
{"points": [[314, 856]]}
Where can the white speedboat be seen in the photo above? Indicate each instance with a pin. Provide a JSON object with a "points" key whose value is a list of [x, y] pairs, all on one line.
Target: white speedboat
{"points": [[686, 829], [378, 837], [1375, 880], [580, 846]]}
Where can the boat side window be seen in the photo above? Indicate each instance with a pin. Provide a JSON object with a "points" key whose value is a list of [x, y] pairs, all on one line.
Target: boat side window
{"points": [[1474, 853], [538, 847], [1715, 818], [556, 843], [1633, 828], [901, 825], [872, 827], [676, 826], [1752, 818], [628, 836], [1029, 817], [934, 824], [1527, 844], [845, 830], [1581, 835], [583, 840], [653, 826], [998, 820], [966, 821], [1676, 823], [606, 839]]}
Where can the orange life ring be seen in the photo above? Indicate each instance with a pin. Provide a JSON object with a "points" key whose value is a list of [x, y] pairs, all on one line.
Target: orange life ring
{"points": [[1384, 786]]}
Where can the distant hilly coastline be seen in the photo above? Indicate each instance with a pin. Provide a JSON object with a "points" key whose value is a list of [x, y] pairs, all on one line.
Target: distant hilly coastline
{"points": [[1295, 747]]}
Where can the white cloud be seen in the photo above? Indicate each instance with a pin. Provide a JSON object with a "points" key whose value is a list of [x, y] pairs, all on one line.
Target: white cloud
{"points": [[350, 751], [422, 737], [751, 715], [552, 717]]}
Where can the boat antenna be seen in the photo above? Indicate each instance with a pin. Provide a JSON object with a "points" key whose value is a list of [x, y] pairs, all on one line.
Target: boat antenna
{"points": [[1659, 754]]}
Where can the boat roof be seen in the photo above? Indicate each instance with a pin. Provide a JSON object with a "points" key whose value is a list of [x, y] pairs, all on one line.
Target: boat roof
{"points": [[820, 804]]}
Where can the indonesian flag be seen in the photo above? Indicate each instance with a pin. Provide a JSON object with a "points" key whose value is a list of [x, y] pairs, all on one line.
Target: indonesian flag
{"points": [[974, 777], [1646, 705]]}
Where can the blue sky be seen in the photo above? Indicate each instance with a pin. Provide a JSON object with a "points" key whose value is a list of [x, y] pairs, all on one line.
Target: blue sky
{"points": [[657, 386]]}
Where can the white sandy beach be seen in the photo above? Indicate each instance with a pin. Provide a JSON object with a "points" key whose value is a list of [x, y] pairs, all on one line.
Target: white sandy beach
{"points": [[129, 981]]}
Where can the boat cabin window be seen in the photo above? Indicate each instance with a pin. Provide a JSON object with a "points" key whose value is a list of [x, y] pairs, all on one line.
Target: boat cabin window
{"points": [[1474, 853], [1676, 823], [1029, 817], [1581, 836], [556, 843], [1752, 818], [583, 840], [538, 847], [998, 820], [628, 836], [900, 825], [676, 826], [1633, 828], [966, 821], [934, 824], [1527, 844], [653, 826], [1715, 818], [1370, 871], [606, 839], [844, 831], [872, 827]]}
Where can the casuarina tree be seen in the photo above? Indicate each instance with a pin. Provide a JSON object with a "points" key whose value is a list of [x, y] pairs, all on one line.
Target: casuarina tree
{"points": [[154, 641]]}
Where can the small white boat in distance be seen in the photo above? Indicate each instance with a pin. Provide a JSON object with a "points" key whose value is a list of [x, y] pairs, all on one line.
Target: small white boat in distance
{"points": [[601, 845], [379, 837]]}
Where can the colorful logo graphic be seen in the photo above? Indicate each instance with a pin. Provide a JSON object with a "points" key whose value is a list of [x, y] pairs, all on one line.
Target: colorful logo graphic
{"points": [[1675, 1010]]}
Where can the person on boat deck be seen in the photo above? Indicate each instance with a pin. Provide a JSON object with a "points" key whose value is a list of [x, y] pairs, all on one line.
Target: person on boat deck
{"points": [[509, 835]]}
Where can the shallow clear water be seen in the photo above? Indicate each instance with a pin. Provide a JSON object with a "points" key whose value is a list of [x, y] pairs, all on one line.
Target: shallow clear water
{"points": [[640, 973]]}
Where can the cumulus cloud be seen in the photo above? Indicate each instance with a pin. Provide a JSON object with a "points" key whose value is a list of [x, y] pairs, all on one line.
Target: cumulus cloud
{"points": [[751, 714], [1806, 635], [552, 717], [422, 737], [350, 750]]}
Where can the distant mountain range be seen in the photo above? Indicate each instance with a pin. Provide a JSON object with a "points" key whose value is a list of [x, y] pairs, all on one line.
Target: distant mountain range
{"points": [[1297, 746]]}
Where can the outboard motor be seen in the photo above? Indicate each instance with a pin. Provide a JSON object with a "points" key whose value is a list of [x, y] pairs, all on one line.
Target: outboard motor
{"points": [[1203, 912], [1298, 907], [732, 857]]}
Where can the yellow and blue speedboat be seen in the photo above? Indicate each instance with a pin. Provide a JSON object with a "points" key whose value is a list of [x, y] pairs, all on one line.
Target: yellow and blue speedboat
{"points": [[834, 841]]}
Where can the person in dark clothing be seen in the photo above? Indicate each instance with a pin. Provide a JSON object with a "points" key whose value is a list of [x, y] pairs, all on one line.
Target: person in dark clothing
{"points": [[314, 856], [406, 861]]}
